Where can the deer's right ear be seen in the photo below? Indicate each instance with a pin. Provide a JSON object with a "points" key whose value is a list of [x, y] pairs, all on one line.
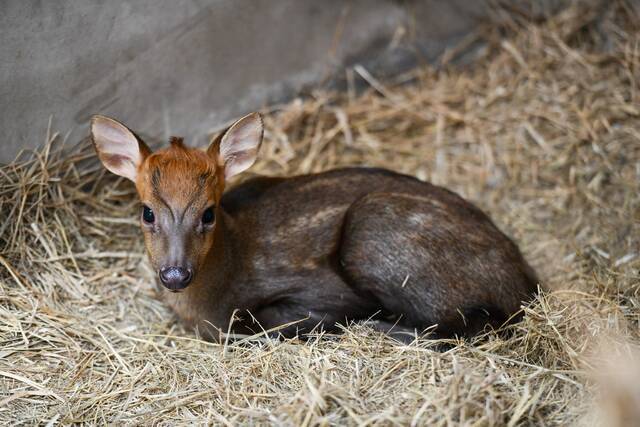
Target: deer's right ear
{"points": [[119, 150]]}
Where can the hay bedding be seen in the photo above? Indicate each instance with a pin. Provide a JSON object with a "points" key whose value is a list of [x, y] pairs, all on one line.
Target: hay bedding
{"points": [[542, 131]]}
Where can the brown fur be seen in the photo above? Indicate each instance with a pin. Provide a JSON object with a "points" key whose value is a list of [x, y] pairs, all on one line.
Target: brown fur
{"points": [[338, 246], [326, 249]]}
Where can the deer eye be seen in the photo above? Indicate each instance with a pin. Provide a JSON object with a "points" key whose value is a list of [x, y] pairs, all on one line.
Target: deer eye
{"points": [[147, 215], [208, 216]]}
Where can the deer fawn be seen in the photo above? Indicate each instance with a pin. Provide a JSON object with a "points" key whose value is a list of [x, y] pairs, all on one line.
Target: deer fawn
{"points": [[312, 250]]}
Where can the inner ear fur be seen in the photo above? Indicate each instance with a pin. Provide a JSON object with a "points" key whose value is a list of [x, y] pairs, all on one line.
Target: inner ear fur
{"points": [[119, 149], [236, 149]]}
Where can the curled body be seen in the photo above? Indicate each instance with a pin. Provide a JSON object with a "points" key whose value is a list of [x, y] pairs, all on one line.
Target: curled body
{"points": [[314, 250]]}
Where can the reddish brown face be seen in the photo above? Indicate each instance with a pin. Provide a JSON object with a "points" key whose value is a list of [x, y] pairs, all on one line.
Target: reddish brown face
{"points": [[180, 189]]}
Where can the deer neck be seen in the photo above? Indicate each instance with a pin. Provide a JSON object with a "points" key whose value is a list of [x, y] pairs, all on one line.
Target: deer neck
{"points": [[209, 298]]}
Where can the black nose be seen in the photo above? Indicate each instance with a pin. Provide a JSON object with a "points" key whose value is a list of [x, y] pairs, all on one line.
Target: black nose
{"points": [[175, 278]]}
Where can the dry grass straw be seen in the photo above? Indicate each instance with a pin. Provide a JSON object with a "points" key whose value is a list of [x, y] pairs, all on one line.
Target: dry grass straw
{"points": [[542, 130]]}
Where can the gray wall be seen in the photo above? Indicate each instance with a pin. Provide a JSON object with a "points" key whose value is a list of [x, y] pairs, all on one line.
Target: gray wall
{"points": [[177, 67]]}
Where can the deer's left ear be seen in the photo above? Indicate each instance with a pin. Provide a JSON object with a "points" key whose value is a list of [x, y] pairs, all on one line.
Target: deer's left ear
{"points": [[238, 147]]}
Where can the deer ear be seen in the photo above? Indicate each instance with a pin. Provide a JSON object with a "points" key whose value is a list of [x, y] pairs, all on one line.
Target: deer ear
{"points": [[119, 150], [237, 149]]}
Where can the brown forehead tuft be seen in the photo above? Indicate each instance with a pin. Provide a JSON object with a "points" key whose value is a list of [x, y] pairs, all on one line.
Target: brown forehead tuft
{"points": [[178, 163], [179, 155], [179, 175], [177, 142]]}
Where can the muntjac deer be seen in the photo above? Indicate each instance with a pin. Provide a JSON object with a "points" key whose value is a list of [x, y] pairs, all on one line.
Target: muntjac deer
{"points": [[313, 250]]}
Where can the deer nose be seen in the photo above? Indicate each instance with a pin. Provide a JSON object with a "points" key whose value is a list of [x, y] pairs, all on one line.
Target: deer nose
{"points": [[175, 278]]}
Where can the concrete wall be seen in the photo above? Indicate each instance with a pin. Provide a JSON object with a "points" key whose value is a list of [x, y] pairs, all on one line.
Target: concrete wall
{"points": [[178, 67]]}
